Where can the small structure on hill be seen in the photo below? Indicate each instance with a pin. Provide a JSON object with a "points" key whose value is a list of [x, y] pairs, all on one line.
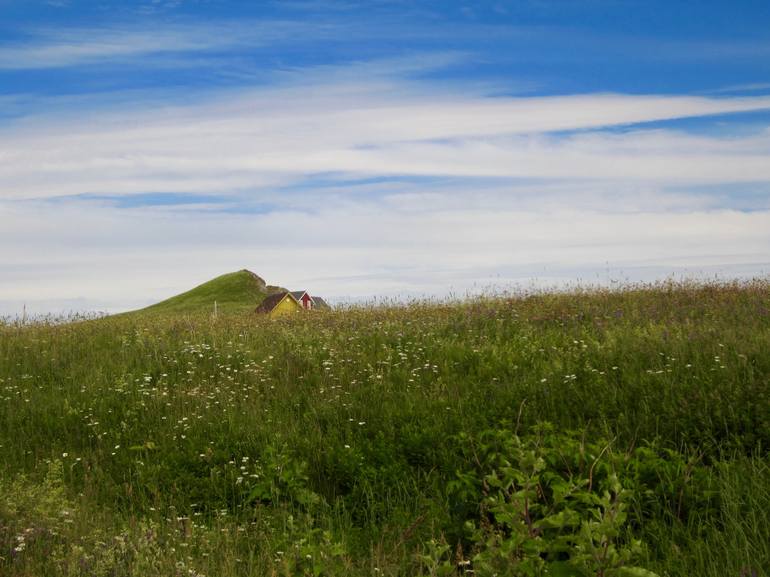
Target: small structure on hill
{"points": [[309, 303], [288, 302]]}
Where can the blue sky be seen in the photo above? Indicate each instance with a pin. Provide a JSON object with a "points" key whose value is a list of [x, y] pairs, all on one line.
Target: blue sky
{"points": [[378, 148]]}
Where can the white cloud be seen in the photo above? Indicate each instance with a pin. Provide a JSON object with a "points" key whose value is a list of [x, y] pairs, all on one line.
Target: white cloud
{"points": [[268, 137], [46, 48], [529, 187], [738, 88], [118, 259]]}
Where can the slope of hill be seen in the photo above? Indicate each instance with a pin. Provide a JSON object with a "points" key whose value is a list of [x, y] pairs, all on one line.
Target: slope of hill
{"points": [[233, 292], [617, 433]]}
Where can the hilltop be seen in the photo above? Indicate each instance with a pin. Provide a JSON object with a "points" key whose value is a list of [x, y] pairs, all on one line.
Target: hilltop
{"points": [[234, 292]]}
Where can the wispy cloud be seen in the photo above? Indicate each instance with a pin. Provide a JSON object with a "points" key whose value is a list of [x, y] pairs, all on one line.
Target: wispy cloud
{"points": [[741, 88], [363, 248], [263, 139], [44, 48], [385, 184]]}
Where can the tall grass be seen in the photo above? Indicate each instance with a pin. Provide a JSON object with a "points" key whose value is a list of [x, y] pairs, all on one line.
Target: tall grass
{"points": [[325, 443]]}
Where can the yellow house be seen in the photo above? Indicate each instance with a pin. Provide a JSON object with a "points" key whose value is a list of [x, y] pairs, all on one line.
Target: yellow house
{"points": [[280, 304]]}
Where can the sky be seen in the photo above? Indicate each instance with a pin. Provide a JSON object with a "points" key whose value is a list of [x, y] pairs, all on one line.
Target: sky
{"points": [[388, 149]]}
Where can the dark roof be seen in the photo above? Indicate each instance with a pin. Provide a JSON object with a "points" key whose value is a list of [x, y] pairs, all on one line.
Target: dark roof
{"points": [[270, 302], [320, 303], [298, 294]]}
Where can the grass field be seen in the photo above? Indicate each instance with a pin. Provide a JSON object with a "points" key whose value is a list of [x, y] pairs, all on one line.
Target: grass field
{"points": [[610, 433]]}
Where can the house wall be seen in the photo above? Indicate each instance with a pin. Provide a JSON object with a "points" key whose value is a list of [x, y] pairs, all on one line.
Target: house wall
{"points": [[286, 307]]}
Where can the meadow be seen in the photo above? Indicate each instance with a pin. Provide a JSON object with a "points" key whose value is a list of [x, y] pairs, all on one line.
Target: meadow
{"points": [[597, 432]]}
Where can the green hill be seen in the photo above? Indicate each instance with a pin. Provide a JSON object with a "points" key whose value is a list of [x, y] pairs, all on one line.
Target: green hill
{"points": [[234, 292], [622, 433]]}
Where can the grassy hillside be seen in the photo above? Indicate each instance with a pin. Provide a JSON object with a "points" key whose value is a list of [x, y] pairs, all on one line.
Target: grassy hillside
{"points": [[619, 434], [237, 292]]}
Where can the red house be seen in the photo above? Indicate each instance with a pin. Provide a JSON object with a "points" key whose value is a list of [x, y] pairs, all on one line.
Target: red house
{"points": [[303, 299], [308, 302]]}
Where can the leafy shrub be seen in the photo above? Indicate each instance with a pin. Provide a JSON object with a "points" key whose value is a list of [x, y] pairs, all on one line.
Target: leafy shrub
{"points": [[556, 504], [281, 477]]}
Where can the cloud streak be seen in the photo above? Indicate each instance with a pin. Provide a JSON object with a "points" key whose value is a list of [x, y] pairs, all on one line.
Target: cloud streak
{"points": [[263, 139], [47, 48]]}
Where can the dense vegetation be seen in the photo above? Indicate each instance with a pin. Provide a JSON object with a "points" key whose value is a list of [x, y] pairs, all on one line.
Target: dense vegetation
{"points": [[604, 433]]}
